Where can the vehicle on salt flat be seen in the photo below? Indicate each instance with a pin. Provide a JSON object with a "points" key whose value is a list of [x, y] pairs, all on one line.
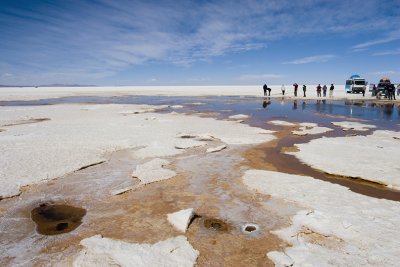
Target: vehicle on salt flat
{"points": [[381, 91], [355, 84]]}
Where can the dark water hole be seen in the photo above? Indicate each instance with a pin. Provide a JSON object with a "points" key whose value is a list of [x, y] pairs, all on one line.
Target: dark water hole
{"points": [[57, 219]]}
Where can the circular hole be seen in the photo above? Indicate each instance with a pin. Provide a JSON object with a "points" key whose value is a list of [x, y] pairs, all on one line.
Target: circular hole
{"points": [[57, 219], [250, 228]]}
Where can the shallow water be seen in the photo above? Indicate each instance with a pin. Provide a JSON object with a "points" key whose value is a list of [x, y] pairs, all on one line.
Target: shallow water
{"points": [[382, 114]]}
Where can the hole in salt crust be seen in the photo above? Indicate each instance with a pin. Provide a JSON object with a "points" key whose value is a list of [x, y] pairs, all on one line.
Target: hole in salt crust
{"points": [[57, 219]]}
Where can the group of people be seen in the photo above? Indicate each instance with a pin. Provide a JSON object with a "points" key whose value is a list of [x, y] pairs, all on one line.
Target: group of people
{"points": [[389, 91], [296, 87]]}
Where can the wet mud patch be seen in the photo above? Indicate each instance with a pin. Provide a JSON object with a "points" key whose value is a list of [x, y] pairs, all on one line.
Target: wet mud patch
{"points": [[57, 219], [217, 225]]}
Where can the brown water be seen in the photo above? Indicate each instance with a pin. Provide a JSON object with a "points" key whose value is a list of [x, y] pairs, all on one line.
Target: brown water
{"points": [[57, 219]]}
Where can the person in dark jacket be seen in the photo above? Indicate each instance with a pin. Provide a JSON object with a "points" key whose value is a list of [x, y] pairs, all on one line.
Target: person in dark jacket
{"points": [[295, 88], [319, 90], [265, 88], [304, 90], [331, 90], [324, 89]]}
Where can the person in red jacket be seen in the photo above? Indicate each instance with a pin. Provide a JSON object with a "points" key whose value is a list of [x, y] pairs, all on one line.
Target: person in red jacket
{"points": [[319, 90]]}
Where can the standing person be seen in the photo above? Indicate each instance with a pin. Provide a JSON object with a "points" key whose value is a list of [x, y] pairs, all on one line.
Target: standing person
{"points": [[295, 88], [393, 91], [388, 89], [304, 90], [324, 88], [319, 90], [398, 89], [374, 90], [331, 90], [265, 87], [283, 89]]}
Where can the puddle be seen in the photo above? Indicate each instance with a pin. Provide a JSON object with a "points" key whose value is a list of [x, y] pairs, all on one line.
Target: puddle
{"points": [[57, 219], [216, 224]]}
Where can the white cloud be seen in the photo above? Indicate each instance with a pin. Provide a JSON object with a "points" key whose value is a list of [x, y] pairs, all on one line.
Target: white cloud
{"points": [[387, 53], [312, 59], [387, 72], [255, 77], [390, 37]]}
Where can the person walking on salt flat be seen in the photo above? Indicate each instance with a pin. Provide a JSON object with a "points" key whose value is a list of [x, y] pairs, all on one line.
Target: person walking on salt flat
{"points": [[283, 89], [331, 90], [265, 88], [304, 90], [319, 90], [398, 89], [324, 88], [295, 88]]}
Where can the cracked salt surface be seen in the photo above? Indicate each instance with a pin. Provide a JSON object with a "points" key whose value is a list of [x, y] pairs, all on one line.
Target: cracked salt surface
{"points": [[353, 125], [373, 157], [101, 251], [75, 137], [336, 226], [153, 171]]}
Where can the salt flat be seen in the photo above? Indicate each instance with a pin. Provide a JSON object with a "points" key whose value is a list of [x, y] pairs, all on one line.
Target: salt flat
{"points": [[373, 157], [31, 93], [76, 136], [170, 168], [335, 227]]}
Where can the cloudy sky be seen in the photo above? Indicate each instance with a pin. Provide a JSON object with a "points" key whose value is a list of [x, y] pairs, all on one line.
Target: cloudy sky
{"points": [[115, 42]]}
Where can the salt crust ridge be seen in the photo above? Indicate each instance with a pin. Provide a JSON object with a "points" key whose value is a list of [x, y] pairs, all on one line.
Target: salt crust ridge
{"points": [[305, 127], [336, 227], [181, 219], [153, 171], [373, 157], [80, 135], [353, 125], [100, 251]]}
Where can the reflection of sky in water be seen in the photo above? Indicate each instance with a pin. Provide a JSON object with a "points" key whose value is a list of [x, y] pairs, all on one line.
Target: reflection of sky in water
{"points": [[385, 115]]}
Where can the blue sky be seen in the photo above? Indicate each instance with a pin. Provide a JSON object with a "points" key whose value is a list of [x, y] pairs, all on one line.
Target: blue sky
{"points": [[110, 42]]}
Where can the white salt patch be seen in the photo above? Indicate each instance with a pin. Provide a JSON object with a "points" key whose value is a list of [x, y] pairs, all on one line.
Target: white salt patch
{"points": [[313, 130], [353, 125], [177, 106], [153, 171], [308, 124], [215, 149], [336, 228], [100, 251], [281, 123], [238, 116], [181, 219], [373, 157], [195, 103], [205, 137]]}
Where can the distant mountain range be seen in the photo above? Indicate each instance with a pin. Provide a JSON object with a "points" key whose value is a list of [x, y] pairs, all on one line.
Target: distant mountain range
{"points": [[48, 85]]}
